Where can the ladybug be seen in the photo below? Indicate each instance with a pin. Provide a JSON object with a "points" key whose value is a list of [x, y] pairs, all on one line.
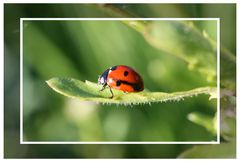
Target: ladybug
{"points": [[122, 78]]}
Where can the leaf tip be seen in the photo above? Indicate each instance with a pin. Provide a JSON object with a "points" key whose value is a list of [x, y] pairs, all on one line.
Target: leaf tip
{"points": [[213, 94], [48, 82]]}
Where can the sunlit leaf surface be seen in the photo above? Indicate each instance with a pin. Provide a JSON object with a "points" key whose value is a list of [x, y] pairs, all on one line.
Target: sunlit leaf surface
{"points": [[90, 91]]}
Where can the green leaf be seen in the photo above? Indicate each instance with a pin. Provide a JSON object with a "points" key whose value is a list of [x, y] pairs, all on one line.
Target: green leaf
{"points": [[183, 40], [223, 150], [90, 91], [210, 123]]}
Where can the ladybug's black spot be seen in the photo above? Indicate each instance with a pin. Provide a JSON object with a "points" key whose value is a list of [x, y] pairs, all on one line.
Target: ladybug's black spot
{"points": [[113, 68], [125, 73], [137, 87], [118, 83]]}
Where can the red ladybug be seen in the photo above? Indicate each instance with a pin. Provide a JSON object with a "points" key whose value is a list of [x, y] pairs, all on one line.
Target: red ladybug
{"points": [[121, 77]]}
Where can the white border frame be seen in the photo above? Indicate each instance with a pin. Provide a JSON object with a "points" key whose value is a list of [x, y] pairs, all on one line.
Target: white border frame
{"points": [[117, 142]]}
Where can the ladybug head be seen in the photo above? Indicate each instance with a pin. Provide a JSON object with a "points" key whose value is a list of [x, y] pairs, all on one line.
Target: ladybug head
{"points": [[102, 79]]}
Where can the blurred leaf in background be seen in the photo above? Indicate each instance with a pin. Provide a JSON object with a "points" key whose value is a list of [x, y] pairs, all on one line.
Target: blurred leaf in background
{"points": [[84, 49]]}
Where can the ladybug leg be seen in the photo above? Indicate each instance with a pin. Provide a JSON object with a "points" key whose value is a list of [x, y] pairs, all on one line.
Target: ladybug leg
{"points": [[111, 92], [103, 87]]}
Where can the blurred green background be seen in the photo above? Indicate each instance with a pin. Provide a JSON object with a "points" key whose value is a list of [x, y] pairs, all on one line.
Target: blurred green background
{"points": [[83, 50]]}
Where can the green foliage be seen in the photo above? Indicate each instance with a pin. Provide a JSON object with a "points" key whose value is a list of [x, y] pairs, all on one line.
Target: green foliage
{"points": [[196, 44], [183, 40], [171, 56], [227, 147], [204, 120], [89, 91], [223, 150]]}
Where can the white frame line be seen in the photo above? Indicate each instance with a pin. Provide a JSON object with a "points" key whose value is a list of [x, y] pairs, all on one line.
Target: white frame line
{"points": [[218, 80], [110, 19], [21, 80], [118, 142]]}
